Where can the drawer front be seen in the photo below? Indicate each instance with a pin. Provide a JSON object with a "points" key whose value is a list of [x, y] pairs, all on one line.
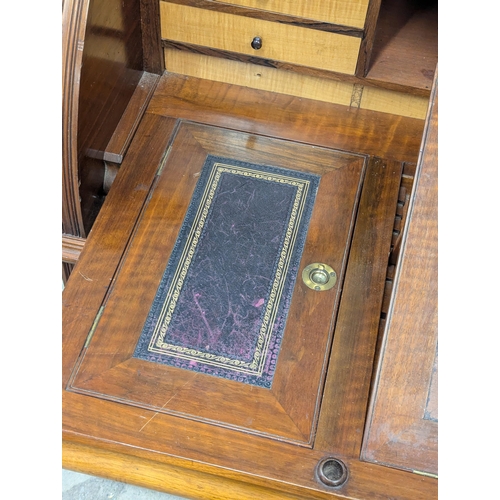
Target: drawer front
{"points": [[344, 12], [291, 44]]}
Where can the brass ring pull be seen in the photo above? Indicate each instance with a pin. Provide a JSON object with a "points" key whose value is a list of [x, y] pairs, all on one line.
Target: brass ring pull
{"points": [[319, 277]]}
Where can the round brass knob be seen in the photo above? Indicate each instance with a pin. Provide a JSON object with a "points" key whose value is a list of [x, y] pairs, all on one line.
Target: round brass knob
{"points": [[319, 277], [256, 43]]}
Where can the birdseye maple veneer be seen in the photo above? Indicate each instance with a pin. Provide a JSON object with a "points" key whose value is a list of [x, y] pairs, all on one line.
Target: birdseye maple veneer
{"points": [[244, 313]]}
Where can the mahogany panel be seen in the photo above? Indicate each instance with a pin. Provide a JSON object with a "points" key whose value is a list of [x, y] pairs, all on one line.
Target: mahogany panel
{"points": [[91, 278], [347, 386], [289, 408], [402, 426], [169, 453], [108, 442], [288, 117], [163, 477]]}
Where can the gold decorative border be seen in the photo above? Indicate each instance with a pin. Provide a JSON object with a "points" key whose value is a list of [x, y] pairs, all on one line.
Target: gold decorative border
{"points": [[256, 366]]}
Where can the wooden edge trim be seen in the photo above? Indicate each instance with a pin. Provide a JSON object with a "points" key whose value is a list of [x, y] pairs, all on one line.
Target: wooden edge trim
{"points": [[151, 39], [191, 479], [272, 17], [161, 476], [74, 20], [365, 51], [72, 247], [124, 132], [397, 272], [305, 70]]}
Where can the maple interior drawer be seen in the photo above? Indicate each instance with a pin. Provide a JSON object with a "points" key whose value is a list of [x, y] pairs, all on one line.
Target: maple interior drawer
{"points": [[344, 12], [228, 32]]}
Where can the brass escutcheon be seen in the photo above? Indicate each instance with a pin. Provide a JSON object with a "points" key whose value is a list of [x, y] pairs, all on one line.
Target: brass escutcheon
{"points": [[319, 277]]}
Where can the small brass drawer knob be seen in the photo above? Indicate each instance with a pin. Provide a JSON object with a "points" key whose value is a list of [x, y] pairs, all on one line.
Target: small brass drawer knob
{"points": [[319, 276], [256, 43]]}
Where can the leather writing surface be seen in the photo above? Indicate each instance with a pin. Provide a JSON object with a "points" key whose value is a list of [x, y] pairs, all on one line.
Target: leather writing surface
{"points": [[287, 407]]}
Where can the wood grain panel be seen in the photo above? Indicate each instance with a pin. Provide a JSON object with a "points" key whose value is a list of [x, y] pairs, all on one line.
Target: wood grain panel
{"points": [[276, 17], [258, 77], [287, 410], [199, 481], [92, 278], [388, 101], [154, 450], [399, 434], [350, 367], [157, 476], [123, 440], [198, 459], [288, 117], [329, 51], [346, 12]]}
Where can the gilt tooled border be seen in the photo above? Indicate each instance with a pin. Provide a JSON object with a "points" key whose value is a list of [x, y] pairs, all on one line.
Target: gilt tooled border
{"points": [[256, 366]]}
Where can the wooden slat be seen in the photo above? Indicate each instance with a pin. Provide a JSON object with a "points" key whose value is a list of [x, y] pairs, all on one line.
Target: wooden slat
{"points": [[348, 13], [347, 384], [365, 51], [283, 16], [151, 38], [287, 117], [399, 433], [317, 49], [66, 271], [120, 140]]}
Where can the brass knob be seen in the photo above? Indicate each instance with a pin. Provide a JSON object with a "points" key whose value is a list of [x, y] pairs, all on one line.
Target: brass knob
{"points": [[319, 276], [256, 43]]}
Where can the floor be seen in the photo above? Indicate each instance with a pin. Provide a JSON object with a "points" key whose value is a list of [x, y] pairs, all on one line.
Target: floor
{"points": [[76, 486]]}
